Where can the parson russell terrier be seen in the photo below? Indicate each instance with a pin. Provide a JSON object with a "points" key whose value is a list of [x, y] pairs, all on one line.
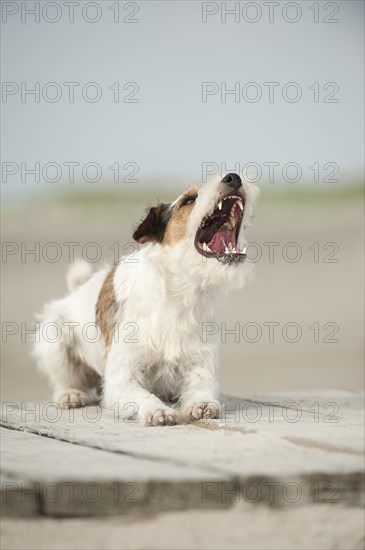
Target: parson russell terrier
{"points": [[165, 373]]}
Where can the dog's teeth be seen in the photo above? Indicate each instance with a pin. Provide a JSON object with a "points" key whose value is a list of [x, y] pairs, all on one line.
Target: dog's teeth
{"points": [[240, 204], [220, 205], [226, 250], [208, 249], [205, 247], [230, 246], [244, 250]]}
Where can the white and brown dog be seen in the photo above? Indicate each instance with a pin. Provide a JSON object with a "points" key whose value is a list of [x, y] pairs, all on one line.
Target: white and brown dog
{"points": [[166, 292]]}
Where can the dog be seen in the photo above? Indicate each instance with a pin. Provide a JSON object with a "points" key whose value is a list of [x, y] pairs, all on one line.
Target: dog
{"points": [[143, 349]]}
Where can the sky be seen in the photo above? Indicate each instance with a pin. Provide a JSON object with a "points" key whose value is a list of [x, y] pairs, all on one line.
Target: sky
{"points": [[138, 92]]}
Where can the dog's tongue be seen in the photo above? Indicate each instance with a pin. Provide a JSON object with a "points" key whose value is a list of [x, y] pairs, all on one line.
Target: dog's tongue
{"points": [[219, 242]]}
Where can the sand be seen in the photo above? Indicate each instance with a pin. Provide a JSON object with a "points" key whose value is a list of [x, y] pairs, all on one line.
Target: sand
{"points": [[315, 303]]}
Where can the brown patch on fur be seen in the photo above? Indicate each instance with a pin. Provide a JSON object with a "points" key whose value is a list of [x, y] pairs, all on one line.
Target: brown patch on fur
{"points": [[106, 308], [176, 228]]}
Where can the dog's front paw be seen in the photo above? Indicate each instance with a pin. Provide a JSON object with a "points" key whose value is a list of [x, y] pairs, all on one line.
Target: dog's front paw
{"points": [[162, 417], [72, 399], [202, 409]]}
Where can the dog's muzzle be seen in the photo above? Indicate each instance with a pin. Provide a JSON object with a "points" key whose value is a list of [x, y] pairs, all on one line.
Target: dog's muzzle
{"points": [[217, 236]]}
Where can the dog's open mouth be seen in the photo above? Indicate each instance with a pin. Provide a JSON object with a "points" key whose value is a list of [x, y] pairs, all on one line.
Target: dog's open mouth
{"points": [[217, 236]]}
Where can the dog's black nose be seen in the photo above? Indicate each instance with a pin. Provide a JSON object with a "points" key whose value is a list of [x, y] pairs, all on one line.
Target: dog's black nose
{"points": [[233, 180]]}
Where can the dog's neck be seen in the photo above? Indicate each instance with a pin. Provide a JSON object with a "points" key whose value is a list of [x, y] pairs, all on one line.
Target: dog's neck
{"points": [[187, 276]]}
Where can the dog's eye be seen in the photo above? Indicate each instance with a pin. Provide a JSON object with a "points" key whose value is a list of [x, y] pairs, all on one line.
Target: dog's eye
{"points": [[189, 200]]}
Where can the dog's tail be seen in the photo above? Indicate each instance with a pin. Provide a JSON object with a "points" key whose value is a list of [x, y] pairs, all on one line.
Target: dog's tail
{"points": [[78, 274]]}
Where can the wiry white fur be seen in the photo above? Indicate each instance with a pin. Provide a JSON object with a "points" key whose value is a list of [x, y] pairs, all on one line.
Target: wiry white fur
{"points": [[158, 353], [78, 274]]}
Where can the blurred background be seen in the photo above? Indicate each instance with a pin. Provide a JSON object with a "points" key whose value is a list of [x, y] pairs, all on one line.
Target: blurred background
{"points": [[110, 106]]}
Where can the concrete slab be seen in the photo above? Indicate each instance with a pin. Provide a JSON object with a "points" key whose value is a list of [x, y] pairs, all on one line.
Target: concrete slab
{"points": [[281, 449]]}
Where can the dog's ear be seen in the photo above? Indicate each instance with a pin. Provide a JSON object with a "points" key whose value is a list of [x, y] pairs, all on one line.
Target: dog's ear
{"points": [[152, 228]]}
